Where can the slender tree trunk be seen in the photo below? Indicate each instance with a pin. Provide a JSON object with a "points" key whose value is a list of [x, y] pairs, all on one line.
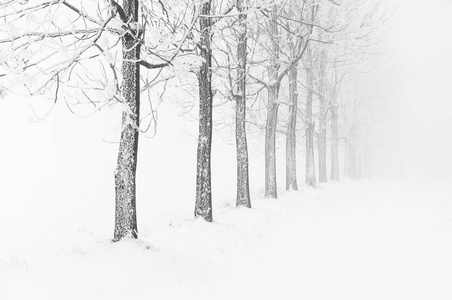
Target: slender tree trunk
{"points": [[310, 166], [272, 111], [353, 168], [346, 166], [352, 162], [125, 183], [322, 138], [291, 162], [334, 143], [243, 189], [203, 204], [270, 141]]}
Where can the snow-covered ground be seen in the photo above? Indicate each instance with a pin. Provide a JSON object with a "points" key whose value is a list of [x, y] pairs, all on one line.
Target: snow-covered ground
{"points": [[347, 240]]}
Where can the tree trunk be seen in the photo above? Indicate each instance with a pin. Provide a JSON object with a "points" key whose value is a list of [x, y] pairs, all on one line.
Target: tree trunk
{"points": [[243, 189], [310, 166], [125, 182], [203, 204], [352, 162], [346, 166], [291, 144], [334, 143], [322, 137], [272, 110], [270, 140]]}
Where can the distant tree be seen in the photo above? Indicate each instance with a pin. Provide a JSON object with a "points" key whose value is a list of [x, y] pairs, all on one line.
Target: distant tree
{"points": [[310, 164], [229, 74], [243, 188], [291, 137], [322, 118], [277, 65], [350, 35], [334, 127]]}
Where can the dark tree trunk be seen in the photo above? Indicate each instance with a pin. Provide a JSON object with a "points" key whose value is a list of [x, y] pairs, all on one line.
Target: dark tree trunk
{"points": [[270, 140], [291, 144], [310, 166], [334, 143], [243, 189], [203, 204], [125, 186]]}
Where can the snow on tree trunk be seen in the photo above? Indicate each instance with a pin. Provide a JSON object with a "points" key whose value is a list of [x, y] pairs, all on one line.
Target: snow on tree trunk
{"points": [[270, 140], [322, 131], [310, 166], [272, 109], [243, 189], [203, 204], [125, 186], [334, 143], [291, 162]]}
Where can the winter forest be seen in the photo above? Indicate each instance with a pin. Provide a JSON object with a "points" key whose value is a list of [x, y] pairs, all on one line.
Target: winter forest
{"points": [[225, 149]]}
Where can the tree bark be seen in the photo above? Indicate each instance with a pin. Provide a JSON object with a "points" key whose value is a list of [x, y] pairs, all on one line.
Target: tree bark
{"points": [[203, 204], [291, 144], [125, 173], [270, 140], [334, 143], [322, 131], [272, 110], [243, 189], [310, 165]]}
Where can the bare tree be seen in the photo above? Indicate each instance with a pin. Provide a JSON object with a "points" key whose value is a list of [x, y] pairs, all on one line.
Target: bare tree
{"points": [[291, 137], [243, 189], [291, 140], [52, 46], [310, 165], [125, 174], [334, 129], [203, 204], [279, 65]]}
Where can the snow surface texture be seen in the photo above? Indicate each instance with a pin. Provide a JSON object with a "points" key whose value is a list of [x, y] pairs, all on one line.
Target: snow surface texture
{"points": [[347, 240], [342, 241]]}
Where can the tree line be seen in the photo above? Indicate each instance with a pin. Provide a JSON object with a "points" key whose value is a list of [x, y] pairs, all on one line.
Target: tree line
{"points": [[291, 67]]}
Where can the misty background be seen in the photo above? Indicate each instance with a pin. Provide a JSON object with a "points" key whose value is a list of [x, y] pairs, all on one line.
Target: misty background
{"points": [[415, 139], [388, 238]]}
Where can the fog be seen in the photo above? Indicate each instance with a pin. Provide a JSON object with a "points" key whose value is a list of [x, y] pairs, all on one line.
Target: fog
{"points": [[353, 239], [415, 140]]}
